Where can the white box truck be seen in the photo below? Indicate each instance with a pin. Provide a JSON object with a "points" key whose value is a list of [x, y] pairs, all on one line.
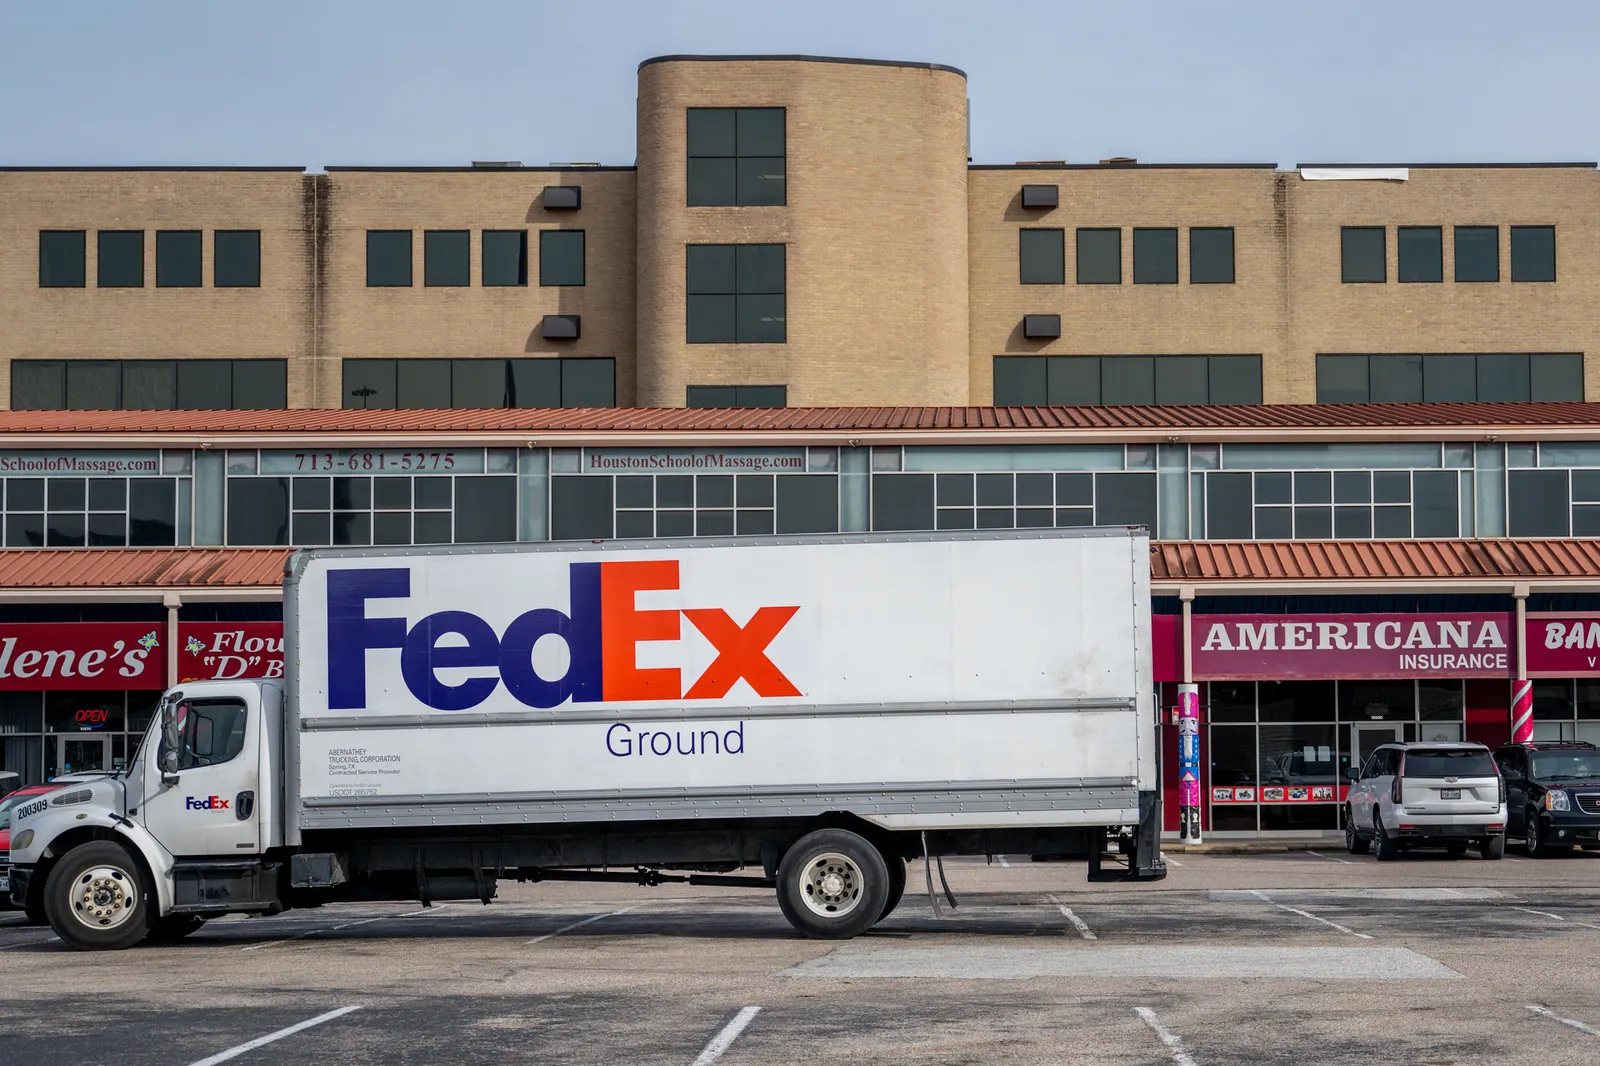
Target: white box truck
{"points": [[803, 714]]}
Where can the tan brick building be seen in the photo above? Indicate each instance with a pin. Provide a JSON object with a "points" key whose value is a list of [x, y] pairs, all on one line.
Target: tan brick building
{"points": [[804, 232]]}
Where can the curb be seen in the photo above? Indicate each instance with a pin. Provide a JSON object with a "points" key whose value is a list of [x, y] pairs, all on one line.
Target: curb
{"points": [[1250, 847]]}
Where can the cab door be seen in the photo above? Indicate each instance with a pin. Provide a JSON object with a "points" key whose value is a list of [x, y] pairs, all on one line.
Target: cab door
{"points": [[208, 805]]}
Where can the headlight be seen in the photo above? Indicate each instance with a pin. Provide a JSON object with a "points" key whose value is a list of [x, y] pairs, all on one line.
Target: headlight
{"points": [[21, 841], [1556, 800]]}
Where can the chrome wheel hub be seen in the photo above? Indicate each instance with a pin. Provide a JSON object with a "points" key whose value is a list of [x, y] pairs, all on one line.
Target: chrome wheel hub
{"points": [[831, 885], [104, 897]]}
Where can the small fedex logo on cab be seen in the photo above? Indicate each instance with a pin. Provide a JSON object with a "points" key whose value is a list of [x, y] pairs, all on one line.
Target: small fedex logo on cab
{"points": [[205, 803]]}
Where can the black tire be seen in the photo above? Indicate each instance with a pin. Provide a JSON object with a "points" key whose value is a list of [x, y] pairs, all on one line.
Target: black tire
{"points": [[1539, 846], [174, 927], [832, 884], [36, 916], [97, 898], [1385, 847], [1354, 842], [1493, 847], [897, 884]]}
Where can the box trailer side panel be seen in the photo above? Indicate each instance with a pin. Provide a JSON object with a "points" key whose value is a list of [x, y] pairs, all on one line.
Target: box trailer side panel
{"points": [[920, 681]]}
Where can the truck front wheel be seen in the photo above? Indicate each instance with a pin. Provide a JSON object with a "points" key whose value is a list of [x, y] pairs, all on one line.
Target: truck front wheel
{"points": [[833, 884], [95, 898]]}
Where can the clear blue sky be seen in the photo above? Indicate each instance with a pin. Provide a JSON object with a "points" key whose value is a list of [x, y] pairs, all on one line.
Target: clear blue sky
{"points": [[404, 82]]}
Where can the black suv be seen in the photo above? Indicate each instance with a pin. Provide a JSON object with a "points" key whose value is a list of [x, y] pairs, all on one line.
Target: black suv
{"points": [[1552, 795]]}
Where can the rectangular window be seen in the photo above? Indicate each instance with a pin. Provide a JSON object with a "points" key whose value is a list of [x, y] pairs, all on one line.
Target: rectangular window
{"points": [[410, 384], [388, 258], [1042, 257], [1497, 377], [1211, 255], [1155, 257], [1092, 380], [735, 294], [149, 385], [1477, 253], [1421, 253], [737, 396], [1538, 503], [178, 259], [114, 512], [236, 259], [446, 257], [121, 259], [1363, 254], [61, 259], [505, 257], [736, 156], [1099, 257], [561, 257], [1533, 253]]}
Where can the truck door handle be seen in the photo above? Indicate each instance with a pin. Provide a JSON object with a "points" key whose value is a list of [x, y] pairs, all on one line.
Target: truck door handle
{"points": [[244, 805]]}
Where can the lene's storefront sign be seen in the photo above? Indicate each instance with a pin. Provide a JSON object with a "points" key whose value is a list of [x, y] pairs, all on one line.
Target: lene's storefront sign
{"points": [[1261, 647], [109, 656]]}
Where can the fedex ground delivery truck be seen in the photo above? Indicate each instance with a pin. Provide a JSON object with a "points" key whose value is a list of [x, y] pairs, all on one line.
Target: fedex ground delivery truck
{"points": [[804, 714]]}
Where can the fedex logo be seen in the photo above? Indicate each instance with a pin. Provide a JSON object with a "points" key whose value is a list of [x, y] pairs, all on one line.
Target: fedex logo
{"points": [[601, 633], [205, 803]]}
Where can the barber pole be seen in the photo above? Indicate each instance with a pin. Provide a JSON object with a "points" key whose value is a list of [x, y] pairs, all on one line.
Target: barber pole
{"points": [[1189, 763], [1522, 713]]}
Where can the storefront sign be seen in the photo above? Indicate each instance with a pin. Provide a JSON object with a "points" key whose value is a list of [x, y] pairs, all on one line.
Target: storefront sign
{"points": [[1563, 645], [79, 656], [374, 461], [692, 460], [41, 463], [229, 651], [1266, 647]]}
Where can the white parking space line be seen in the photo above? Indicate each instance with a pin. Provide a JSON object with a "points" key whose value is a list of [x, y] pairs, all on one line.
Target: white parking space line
{"points": [[1557, 917], [235, 1052], [29, 943], [1170, 862], [1546, 1012], [725, 1036], [1003, 862], [328, 929], [586, 921], [1173, 1043], [1307, 914], [1077, 923], [1331, 858]]}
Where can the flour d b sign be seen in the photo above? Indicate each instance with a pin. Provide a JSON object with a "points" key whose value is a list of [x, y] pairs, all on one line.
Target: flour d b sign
{"points": [[1244, 647]]}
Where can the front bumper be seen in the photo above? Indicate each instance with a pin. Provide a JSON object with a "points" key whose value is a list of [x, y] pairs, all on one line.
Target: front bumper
{"points": [[1571, 827], [20, 877]]}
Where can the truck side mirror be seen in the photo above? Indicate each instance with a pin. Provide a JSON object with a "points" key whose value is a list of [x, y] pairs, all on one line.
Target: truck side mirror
{"points": [[169, 767], [169, 719], [1353, 773]]}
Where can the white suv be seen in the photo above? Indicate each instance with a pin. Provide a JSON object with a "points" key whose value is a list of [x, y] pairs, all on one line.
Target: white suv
{"points": [[1428, 795]]}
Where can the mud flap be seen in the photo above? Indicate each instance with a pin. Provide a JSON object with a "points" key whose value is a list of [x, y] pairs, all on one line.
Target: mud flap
{"points": [[1142, 850]]}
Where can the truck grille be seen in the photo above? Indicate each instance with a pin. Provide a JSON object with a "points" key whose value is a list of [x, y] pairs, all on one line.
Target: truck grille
{"points": [[1589, 802]]}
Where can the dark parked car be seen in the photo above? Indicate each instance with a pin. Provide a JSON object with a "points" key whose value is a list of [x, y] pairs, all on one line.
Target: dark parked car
{"points": [[1553, 795]]}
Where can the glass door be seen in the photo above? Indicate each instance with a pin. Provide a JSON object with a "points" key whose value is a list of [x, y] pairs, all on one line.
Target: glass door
{"points": [[1366, 737], [77, 754]]}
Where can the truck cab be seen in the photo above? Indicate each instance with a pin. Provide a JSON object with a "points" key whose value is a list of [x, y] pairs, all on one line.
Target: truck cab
{"points": [[177, 836]]}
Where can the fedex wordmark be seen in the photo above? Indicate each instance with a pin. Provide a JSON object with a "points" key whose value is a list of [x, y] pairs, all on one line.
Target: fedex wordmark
{"points": [[601, 632]]}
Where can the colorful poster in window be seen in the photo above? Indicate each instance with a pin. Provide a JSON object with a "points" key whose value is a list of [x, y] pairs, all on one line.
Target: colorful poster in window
{"points": [[1277, 794]]}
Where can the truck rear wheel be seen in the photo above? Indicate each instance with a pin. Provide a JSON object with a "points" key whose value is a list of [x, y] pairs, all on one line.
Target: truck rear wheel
{"points": [[833, 884], [897, 884], [95, 898]]}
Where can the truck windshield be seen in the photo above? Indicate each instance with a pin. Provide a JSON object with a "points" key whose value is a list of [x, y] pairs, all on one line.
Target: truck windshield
{"points": [[1449, 764], [1566, 765]]}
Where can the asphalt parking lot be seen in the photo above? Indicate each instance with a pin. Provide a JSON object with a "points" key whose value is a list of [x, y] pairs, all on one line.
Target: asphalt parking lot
{"points": [[1289, 958]]}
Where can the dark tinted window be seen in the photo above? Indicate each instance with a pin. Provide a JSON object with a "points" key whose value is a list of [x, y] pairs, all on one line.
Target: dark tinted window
{"points": [[736, 156], [369, 383], [211, 732], [1555, 376], [1509, 377], [61, 259], [1363, 254], [260, 384], [388, 257], [902, 501], [1099, 256], [150, 385], [1041, 255], [588, 383], [561, 257], [1228, 506], [1342, 379], [1533, 253], [1211, 256], [736, 396], [93, 386], [422, 383], [808, 503], [258, 510], [446, 257], [1234, 379], [479, 383], [736, 294], [1447, 764], [1070, 380], [1125, 500], [1445, 378], [236, 259], [580, 508], [1477, 253], [1398, 378], [1435, 506], [486, 509], [1155, 257], [121, 259], [1018, 381], [1503, 378], [1421, 253], [178, 256], [1537, 503], [536, 383], [505, 257], [1089, 380], [38, 385], [151, 511], [205, 385], [1129, 379]]}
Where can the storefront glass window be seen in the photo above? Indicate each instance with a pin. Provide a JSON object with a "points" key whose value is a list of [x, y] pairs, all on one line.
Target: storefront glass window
{"points": [[1297, 701], [1232, 701], [1440, 701], [84, 712], [1377, 701]]}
